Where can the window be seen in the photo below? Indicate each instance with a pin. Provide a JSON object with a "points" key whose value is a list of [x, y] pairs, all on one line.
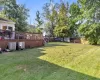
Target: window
{"points": [[4, 27], [9, 28]]}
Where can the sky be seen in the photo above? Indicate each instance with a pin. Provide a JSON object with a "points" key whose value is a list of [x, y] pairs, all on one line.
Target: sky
{"points": [[37, 5]]}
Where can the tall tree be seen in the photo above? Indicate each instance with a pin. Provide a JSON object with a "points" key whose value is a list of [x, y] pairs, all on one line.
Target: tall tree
{"points": [[62, 29], [17, 13], [38, 19], [74, 11], [50, 15], [90, 20]]}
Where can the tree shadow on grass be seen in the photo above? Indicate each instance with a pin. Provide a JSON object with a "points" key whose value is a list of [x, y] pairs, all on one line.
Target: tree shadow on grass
{"points": [[44, 70], [38, 69]]}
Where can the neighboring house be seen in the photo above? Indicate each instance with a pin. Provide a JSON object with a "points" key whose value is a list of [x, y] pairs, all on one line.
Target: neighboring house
{"points": [[42, 27], [7, 28], [31, 26]]}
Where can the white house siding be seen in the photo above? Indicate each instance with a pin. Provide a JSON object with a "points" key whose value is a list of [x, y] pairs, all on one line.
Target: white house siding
{"points": [[7, 24], [0, 26]]}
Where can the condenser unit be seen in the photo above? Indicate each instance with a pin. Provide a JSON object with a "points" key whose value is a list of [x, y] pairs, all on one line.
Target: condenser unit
{"points": [[12, 45], [21, 45]]}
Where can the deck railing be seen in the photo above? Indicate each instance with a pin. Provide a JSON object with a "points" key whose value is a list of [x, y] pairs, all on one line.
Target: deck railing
{"points": [[31, 39]]}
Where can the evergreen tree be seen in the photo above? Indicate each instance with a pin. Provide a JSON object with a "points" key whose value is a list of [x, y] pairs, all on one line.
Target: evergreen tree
{"points": [[38, 19], [62, 29]]}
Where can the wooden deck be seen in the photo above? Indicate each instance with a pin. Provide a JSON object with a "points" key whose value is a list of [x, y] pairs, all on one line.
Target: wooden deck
{"points": [[28, 43]]}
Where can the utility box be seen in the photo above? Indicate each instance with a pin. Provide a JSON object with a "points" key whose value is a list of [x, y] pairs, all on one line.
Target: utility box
{"points": [[21, 45], [12, 45]]}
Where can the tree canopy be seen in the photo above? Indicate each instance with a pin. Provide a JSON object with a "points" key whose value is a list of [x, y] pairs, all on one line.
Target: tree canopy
{"points": [[62, 29], [90, 18], [50, 16], [17, 13], [38, 19], [74, 12]]}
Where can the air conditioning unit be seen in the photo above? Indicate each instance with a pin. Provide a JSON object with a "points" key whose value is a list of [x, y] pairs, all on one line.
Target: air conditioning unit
{"points": [[21, 45], [12, 45]]}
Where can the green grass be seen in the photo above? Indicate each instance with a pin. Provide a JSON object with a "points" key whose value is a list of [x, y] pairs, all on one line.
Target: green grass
{"points": [[55, 61]]}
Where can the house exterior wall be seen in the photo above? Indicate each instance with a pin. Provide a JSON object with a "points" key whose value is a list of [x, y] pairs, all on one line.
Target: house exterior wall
{"points": [[0, 26], [7, 24]]}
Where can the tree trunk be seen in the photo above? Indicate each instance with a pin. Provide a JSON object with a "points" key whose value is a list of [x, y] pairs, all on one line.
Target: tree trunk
{"points": [[63, 39]]}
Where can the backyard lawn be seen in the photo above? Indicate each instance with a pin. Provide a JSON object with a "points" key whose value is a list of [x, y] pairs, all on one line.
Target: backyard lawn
{"points": [[55, 61]]}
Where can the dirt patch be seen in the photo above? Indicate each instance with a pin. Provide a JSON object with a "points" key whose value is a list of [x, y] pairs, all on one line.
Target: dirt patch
{"points": [[22, 67]]}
